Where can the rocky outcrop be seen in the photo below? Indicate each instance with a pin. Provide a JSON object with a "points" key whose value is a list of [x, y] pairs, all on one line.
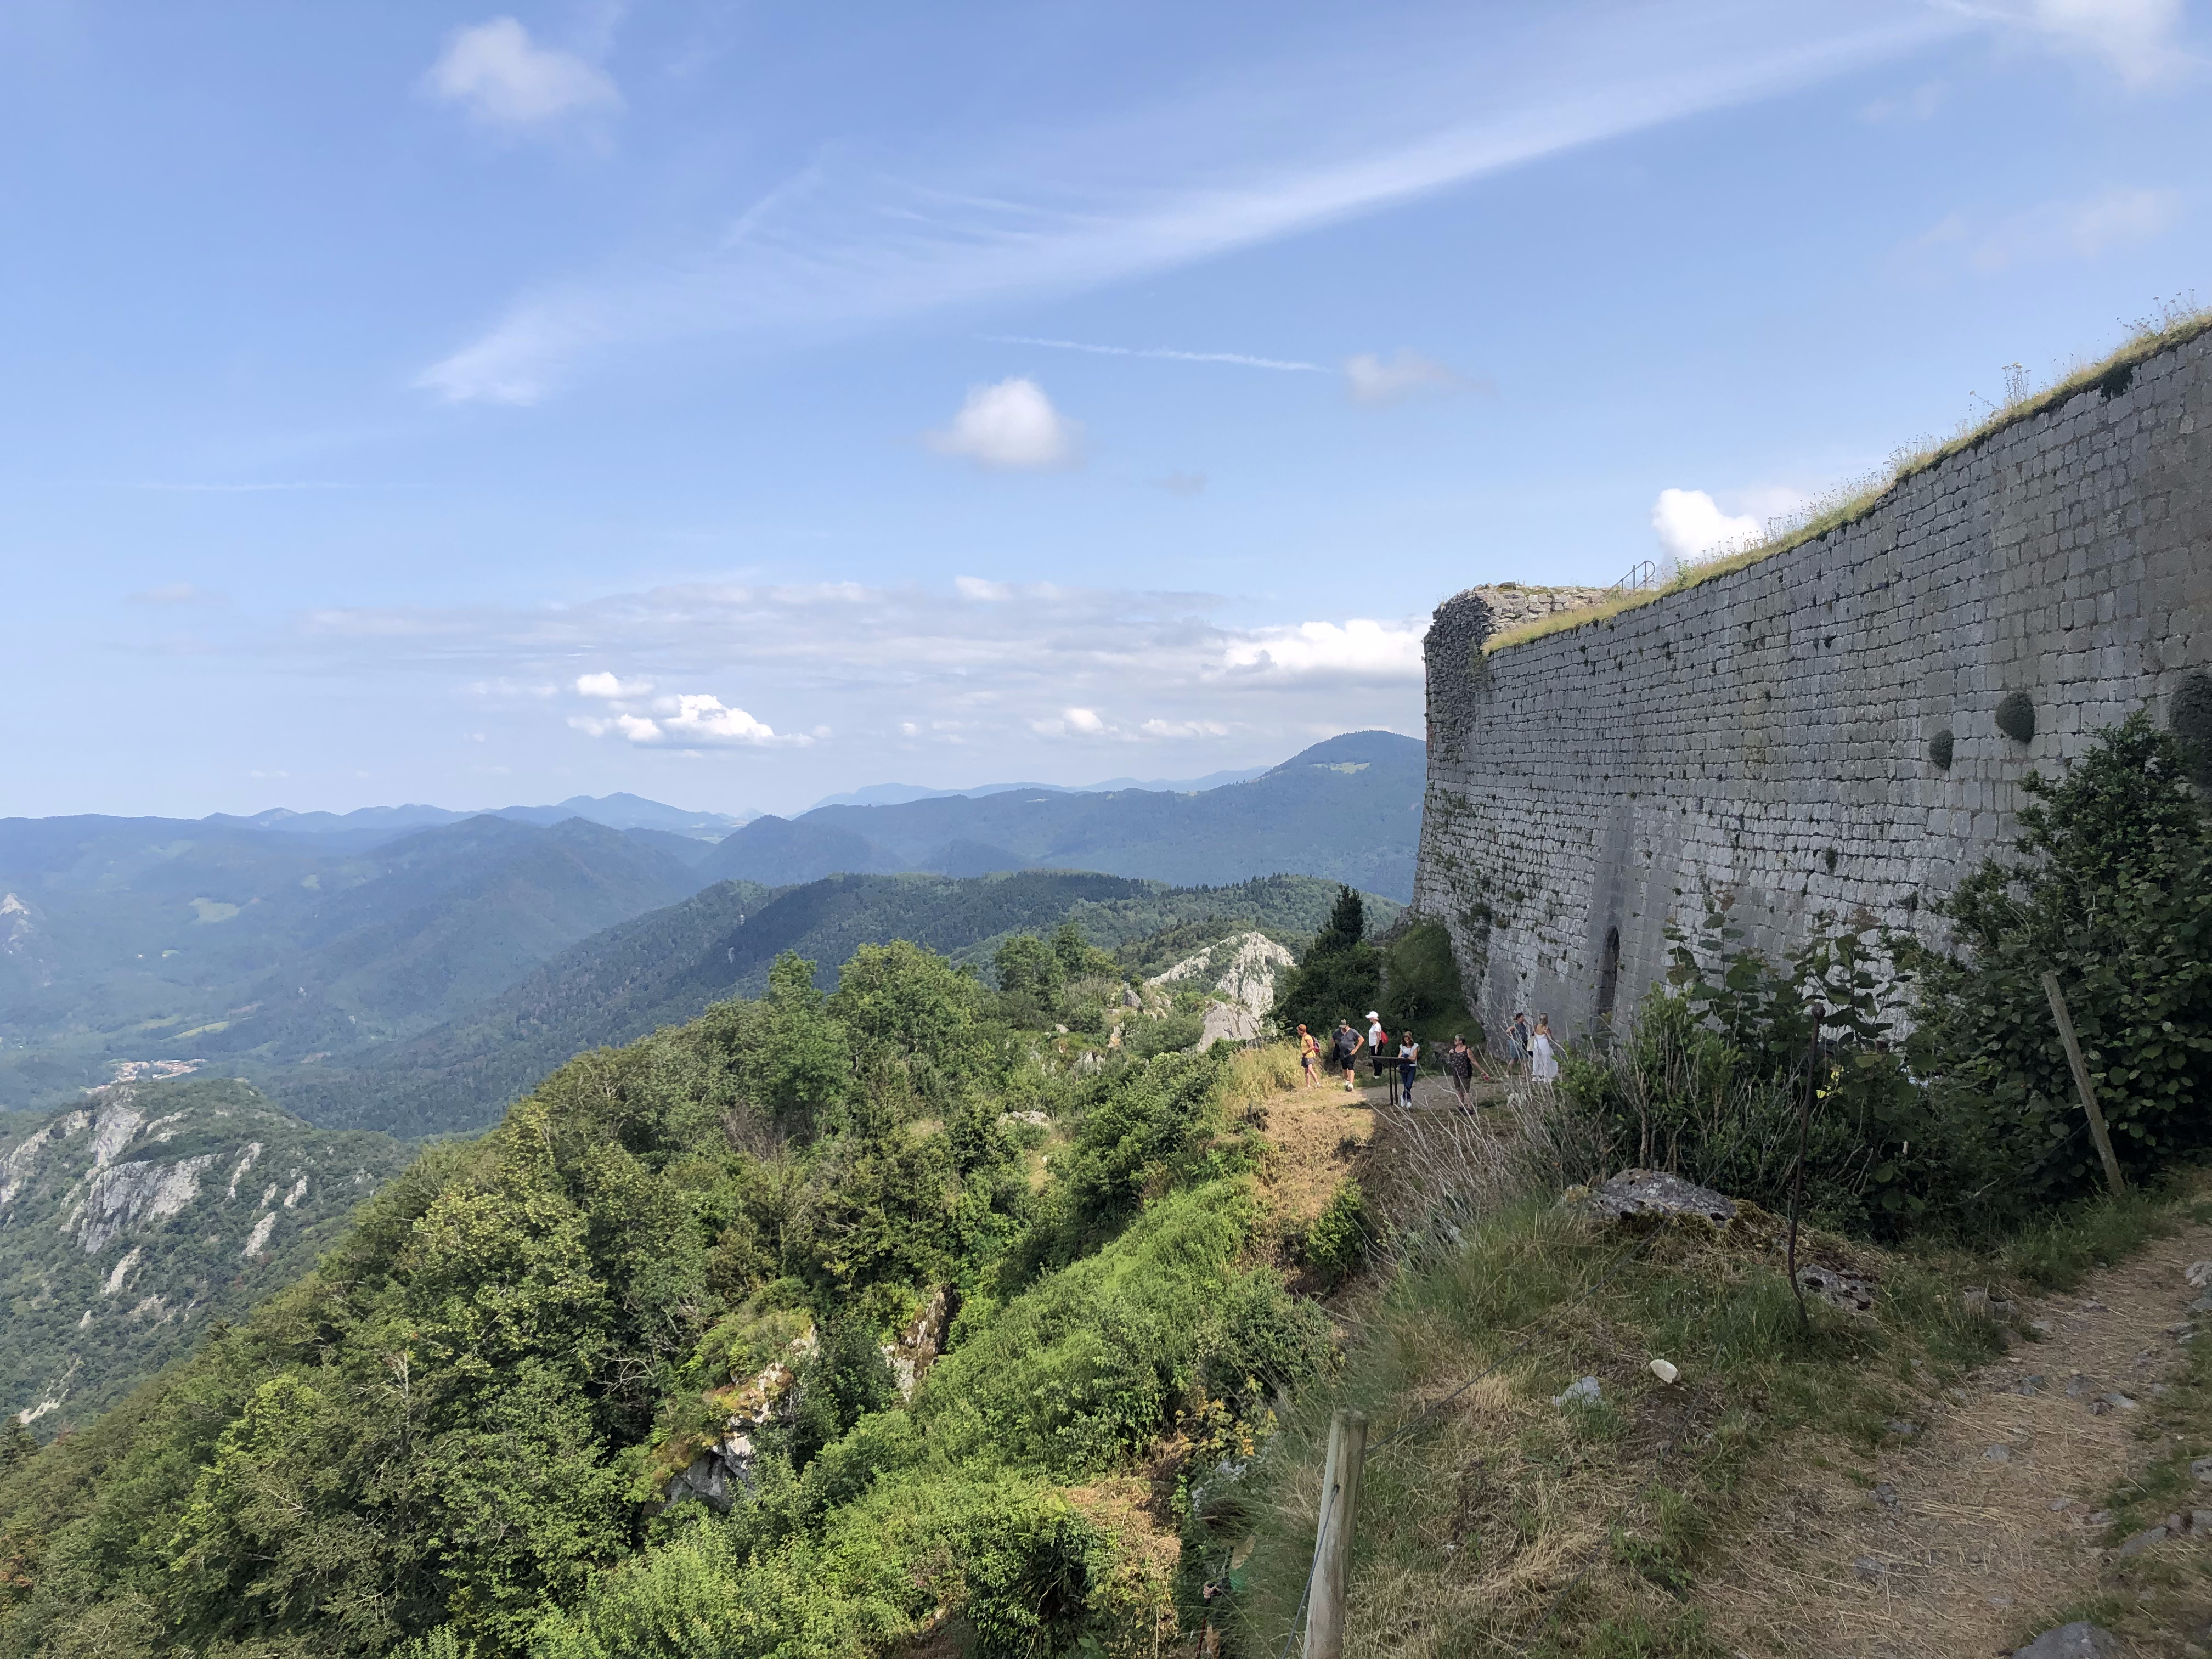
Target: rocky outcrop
{"points": [[124, 1195], [919, 1345], [1241, 971]]}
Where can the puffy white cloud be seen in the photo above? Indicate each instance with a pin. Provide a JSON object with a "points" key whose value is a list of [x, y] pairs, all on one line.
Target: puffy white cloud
{"points": [[974, 587], [610, 687], [1082, 720], [2087, 227], [1359, 649], [1374, 380], [1011, 426], [1690, 525], [502, 77], [702, 719]]}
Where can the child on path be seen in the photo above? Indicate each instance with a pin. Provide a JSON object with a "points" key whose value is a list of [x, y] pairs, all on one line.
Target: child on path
{"points": [[1308, 1057]]}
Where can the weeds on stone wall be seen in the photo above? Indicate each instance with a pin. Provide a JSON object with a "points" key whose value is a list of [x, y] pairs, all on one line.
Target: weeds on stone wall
{"points": [[2170, 323]]}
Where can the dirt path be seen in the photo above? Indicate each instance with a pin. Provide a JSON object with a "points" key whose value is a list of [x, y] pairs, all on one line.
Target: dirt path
{"points": [[1987, 1514]]}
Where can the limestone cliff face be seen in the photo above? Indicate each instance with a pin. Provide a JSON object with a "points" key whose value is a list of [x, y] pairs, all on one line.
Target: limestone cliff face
{"points": [[1817, 732], [126, 1224]]}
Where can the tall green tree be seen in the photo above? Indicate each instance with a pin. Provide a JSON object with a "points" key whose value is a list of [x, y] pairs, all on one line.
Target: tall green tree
{"points": [[1339, 977]]}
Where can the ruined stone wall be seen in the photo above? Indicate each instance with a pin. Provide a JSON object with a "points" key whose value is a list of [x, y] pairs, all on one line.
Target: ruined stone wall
{"points": [[1767, 733]]}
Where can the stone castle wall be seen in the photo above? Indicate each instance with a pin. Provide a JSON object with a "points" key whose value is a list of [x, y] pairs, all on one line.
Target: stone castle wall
{"points": [[1766, 734]]}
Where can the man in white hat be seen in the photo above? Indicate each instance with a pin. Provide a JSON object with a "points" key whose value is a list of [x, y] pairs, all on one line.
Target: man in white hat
{"points": [[1378, 1052]]}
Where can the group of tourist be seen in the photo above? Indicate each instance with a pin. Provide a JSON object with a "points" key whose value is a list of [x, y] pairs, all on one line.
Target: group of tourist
{"points": [[1532, 1047]]}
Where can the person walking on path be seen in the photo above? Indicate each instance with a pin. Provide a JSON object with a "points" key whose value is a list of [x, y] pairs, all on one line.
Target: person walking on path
{"points": [[1543, 1064], [1308, 1058], [1459, 1066], [1346, 1047], [1409, 1065], [1516, 1039], [1378, 1051]]}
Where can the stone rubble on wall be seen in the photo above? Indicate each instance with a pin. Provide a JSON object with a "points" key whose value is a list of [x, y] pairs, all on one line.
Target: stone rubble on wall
{"points": [[1765, 737]]}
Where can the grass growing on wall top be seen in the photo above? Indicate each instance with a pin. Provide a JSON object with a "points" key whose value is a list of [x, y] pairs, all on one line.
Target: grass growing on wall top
{"points": [[2172, 324]]}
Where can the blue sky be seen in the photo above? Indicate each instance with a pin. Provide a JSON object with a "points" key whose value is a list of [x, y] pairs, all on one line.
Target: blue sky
{"points": [[736, 403]]}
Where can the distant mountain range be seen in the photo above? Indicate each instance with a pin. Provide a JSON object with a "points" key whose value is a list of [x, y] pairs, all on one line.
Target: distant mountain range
{"points": [[617, 811], [897, 795], [366, 971], [1349, 808]]}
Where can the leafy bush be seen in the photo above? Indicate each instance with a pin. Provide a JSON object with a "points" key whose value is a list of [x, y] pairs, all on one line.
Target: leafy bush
{"points": [[1336, 1244], [2015, 716], [1171, 1032], [1079, 1370], [2110, 888]]}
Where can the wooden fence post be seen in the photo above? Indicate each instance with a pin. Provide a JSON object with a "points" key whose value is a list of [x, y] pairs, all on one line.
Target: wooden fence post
{"points": [[1339, 1502], [1798, 1169], [2097, 1130]]}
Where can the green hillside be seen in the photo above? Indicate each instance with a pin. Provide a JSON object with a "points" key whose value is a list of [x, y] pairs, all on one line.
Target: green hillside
{"points": [[466, 1429], [1347, 809], [132, 1225], [145, 940], [666, 967]]}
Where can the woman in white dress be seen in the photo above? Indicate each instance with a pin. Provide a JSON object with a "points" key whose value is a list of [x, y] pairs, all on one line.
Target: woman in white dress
{"points": [[1543, 1064]]}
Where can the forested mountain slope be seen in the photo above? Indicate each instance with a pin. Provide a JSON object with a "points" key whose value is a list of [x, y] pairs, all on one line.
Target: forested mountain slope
{"points": [[666, 967], [466, 1429], [130, 1224]]}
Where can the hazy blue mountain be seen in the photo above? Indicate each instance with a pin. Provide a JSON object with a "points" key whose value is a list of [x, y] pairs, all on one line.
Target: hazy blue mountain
{"points": [[897, 795], [133, 1219], [782, 852], [1349, 809], [617, 811], [664, 967]]}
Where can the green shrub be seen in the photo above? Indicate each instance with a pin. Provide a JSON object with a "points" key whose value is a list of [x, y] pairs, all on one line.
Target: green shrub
{"points": [[1336, 1244], [2015, 716], [1171, 1032], [2109, 888]]}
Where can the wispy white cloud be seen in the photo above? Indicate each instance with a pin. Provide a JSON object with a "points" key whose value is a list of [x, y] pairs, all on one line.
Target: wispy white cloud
{"points": [[1285, 364], [1010, 427], [1382, 115], [2141, 40], [503, 78], [2087, 227], [1375, 380]]}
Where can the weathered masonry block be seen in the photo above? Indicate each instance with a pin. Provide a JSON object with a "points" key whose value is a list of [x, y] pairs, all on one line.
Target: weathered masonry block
{"points": [[1818, 732]]}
